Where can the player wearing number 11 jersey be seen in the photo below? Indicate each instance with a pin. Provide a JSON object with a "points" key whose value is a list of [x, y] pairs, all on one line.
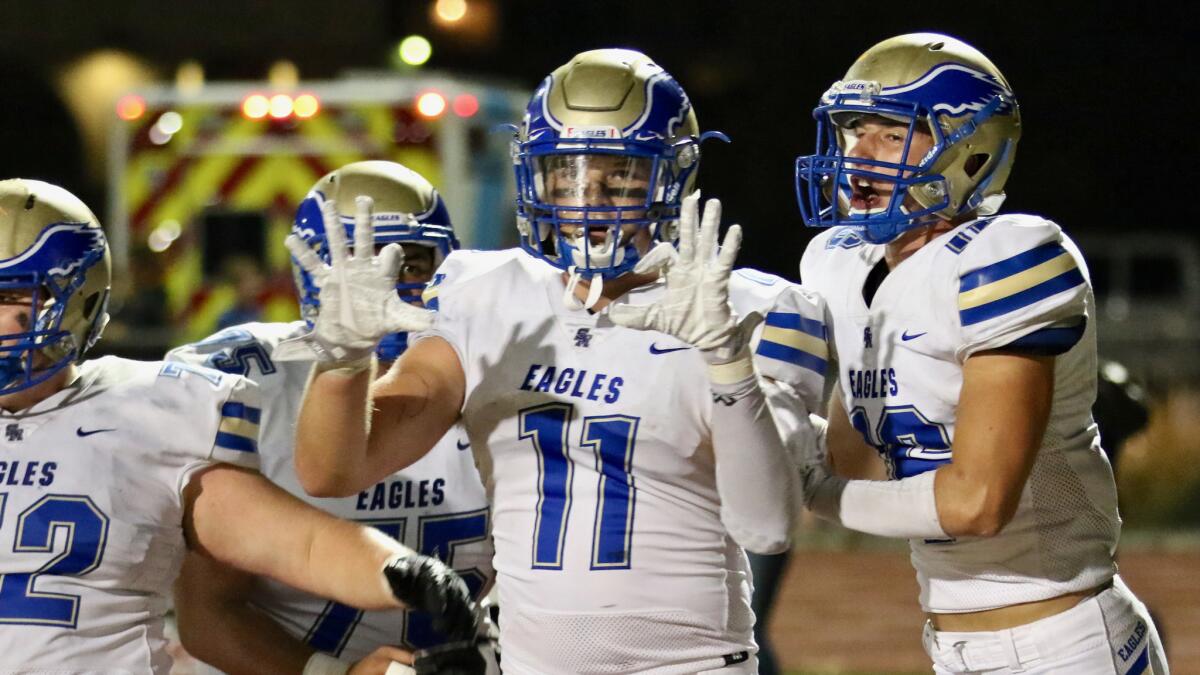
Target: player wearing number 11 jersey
{"points": [[623, 434]]}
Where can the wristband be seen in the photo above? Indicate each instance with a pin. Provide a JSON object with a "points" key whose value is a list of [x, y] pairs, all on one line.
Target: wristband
{"points": [[740, 368]]}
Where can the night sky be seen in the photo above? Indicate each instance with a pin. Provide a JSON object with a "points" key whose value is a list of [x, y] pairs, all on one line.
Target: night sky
{"points": [[1105, 88]]}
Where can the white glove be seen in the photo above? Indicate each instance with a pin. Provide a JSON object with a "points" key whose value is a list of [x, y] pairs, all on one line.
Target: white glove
{"points": [[359, 303], [695, 307]]}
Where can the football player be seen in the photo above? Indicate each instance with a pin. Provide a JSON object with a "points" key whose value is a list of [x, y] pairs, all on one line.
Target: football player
{"points": [[624, 466], [113, 469], [967, 360], [437, 505]]}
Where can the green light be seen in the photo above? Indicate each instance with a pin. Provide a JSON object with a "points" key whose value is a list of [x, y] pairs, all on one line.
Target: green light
{"points": [[415, 50]]}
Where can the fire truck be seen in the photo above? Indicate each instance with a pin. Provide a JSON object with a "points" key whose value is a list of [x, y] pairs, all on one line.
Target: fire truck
{"points": [[204, 186]]}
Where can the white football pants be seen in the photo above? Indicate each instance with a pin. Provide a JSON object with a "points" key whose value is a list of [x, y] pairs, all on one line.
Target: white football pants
{"points": [[1108, 634]]}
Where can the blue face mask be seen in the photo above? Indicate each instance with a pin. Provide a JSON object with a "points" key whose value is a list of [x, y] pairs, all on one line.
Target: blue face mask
{"points": [[919, 196]]}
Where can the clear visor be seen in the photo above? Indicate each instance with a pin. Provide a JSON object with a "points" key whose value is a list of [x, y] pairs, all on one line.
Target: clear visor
{"points": [[846, 123], [594, 180]]}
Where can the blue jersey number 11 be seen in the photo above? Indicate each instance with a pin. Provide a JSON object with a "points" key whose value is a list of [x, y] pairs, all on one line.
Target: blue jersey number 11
{"points": [[611, 438]]}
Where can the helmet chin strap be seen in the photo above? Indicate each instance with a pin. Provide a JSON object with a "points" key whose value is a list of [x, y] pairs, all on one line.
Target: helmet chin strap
{"points": [[595, 288]]}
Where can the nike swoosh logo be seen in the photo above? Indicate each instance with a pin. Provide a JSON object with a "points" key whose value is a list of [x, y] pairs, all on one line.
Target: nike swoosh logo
{"points": [[81, 433], [906, 337], [655, 349], [461, 445]]}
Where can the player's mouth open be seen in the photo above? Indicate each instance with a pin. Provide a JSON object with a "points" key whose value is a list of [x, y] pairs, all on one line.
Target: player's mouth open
{"points": [[865, 196]]}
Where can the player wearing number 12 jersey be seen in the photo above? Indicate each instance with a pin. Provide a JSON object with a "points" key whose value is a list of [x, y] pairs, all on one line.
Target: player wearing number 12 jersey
{"points": [[967, 359], [621, 420], [113, 469], [437, 505]]}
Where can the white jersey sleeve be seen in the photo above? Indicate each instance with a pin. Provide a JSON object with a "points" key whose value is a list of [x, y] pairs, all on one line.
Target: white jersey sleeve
{"points": [[452, 322], [1021, 285], [223, 407]]}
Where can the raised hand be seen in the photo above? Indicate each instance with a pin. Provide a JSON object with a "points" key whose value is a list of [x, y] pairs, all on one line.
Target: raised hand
{"points": [[359, 303], [695, 307]]}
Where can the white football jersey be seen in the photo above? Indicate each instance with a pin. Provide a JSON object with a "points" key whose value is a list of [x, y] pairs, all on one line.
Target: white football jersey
{"points": [[593, 441], [91, 512], [1010, 281], [436, 506]]}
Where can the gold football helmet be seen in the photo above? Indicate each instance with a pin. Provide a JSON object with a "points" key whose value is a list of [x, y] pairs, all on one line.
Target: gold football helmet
{"points": [[53, 255], [609, 145], [933, 83]]}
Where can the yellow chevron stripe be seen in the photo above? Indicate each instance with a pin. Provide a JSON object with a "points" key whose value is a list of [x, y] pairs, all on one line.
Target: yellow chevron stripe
{"points": [[1002, 288]]}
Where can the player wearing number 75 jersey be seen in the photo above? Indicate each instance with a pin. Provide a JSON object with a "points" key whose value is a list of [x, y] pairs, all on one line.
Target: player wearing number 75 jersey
{"points": [[436, 506], [620, 419], [967, 359], [111, 470]]}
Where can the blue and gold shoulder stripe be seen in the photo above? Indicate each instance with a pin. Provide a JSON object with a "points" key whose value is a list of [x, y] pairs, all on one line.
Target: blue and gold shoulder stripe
{"points": [[239, 427], [794, 339], [1017, 282]]}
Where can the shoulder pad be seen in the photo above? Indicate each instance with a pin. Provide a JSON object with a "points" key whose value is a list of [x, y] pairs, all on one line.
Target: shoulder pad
{"points": [[241, 350], [1016, 277], [462, 266], [1013, 263], [793, 343]]}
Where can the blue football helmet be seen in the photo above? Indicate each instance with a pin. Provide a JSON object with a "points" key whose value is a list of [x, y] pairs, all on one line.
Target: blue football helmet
{"points": [[609, 145], [53, 259], [408, 210], [931, 83]]}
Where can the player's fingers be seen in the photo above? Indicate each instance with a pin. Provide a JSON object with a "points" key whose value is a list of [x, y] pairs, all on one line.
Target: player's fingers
{"points": [[709, 226], [335, 232], [305, 256], [364, 227], [402, 317], [688, 217], [656, 259], [391, 259], [637, 317], [729, 249]]}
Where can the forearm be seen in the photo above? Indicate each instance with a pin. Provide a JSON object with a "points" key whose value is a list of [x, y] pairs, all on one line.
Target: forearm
{"points": [[905, 508], [242, 520], [218, 626], [238, 638], [754, 474], [407, 421], [345, 563], [331, 432]]}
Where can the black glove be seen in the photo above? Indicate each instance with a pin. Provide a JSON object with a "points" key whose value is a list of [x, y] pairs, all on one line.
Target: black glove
{"points": [[452, 658], [425, 584]]}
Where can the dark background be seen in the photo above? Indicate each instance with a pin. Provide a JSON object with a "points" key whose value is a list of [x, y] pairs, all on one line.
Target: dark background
{"points": [[1106, 88]]}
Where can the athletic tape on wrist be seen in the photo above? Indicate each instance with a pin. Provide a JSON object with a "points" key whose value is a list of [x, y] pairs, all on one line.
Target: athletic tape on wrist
{"points": [[346, 368], [324, 664], [741, 368]]}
